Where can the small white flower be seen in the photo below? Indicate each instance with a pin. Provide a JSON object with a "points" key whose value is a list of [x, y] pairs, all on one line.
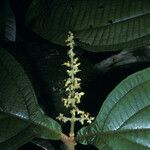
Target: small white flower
{"points": [[72, 86]]}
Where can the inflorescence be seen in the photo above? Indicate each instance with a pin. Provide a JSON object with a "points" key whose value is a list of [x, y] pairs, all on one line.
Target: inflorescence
{"points": [[72, 87]]}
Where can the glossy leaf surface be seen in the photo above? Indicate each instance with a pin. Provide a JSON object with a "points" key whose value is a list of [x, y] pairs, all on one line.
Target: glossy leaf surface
{"points": [[123, 121], [7, 22], [21, 118]]}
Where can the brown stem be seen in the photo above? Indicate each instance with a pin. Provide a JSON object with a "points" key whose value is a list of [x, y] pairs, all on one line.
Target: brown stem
{"points": [[68, 141]]}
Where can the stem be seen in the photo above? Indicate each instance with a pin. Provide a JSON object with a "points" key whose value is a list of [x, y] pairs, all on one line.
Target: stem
{"points": [[71, 134], [71, 145], [68, 141]]}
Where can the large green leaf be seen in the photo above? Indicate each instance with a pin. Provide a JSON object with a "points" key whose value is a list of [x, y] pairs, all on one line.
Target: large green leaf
{"points": [[98, 25], [123, 122], [21, 118], [7, 22]]}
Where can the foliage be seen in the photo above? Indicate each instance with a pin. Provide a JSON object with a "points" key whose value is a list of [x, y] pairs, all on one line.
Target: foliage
{"points": [[32, 41], [123, 120], [7, 22], [19, 110], [99, 25]]}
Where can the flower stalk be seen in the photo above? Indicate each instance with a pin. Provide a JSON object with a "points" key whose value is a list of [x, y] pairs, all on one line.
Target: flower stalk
{"points": [[72, 87]]}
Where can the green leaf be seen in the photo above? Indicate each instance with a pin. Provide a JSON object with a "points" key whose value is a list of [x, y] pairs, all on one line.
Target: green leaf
{"points": [[21, 118], [7, 22], [2, 16], [123, 122], [99, 25]]}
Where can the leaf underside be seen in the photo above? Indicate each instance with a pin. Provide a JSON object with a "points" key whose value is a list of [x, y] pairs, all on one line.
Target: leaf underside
{"points": [[99, 25]]}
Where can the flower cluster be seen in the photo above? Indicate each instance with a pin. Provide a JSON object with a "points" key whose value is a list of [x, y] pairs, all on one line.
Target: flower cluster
{"points": [[72, 86]]}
